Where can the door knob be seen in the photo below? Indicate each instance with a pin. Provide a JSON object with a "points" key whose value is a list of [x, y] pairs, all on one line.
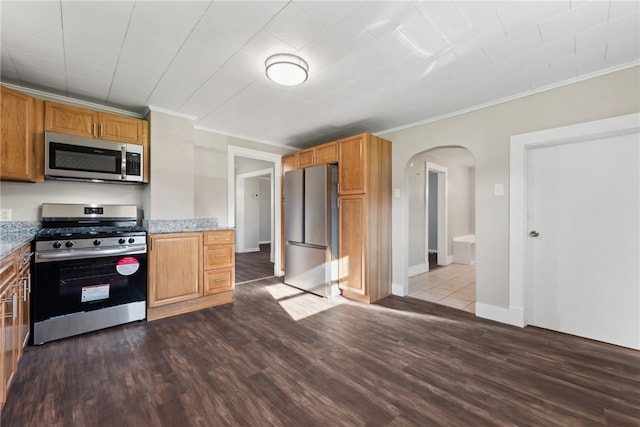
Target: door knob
{"points": [[534, 233]]}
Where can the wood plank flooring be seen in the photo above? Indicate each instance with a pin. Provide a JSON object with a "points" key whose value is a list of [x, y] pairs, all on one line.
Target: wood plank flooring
{"points": [[252, 266], [276, 357]]}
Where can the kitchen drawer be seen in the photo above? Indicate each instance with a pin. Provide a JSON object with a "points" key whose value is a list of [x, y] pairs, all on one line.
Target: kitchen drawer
{"points": [[23, 257], [219, 280], [7, 272], [218, 256], [219, 237]]}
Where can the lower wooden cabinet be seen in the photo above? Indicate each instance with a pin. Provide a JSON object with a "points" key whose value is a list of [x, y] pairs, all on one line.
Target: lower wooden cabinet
{"points": [[351, 244], [14, 315], [175, 268], [189, 271], [219, 261]]}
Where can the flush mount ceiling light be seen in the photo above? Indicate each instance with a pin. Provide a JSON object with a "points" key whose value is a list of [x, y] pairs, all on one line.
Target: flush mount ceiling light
{"points": [[286, 69]]}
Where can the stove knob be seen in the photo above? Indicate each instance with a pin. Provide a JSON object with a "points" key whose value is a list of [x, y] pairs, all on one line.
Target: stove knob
{"points": [[122, 241], [57, 245], [96, 242], [131, 240], [69, 244]]}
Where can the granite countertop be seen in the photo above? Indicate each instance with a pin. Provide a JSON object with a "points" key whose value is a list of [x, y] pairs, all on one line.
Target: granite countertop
{"points": [[14, 234], [9, 242], [156, 226]]}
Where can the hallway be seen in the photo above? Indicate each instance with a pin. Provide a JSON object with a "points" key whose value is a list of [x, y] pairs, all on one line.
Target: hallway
{"points": [[453, 285], [251, 266]]}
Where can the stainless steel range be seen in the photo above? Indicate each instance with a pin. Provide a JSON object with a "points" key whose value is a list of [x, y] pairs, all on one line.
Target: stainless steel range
{"points": [[90, 270]]}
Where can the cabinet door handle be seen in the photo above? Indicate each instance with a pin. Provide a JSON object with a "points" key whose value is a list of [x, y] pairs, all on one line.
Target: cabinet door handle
{"points": [[95, 130], [101, 129], [15, 306]]}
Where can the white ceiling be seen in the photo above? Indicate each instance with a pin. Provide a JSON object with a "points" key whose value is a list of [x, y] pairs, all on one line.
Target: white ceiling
{"points": [[373, 65]]}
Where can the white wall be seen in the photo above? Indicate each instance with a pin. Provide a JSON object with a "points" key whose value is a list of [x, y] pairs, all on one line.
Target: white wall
{"points": [[211, 183], [264, 191], [25, 199], [251, 223], [212, 171], [486, 134], [171, 192]]}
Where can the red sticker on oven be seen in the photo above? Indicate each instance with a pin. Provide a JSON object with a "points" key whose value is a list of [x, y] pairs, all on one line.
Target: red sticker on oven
{"points": [[127, 265]]}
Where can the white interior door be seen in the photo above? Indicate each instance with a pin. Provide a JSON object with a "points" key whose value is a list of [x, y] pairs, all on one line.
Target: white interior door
{"points": [[583, 266]]}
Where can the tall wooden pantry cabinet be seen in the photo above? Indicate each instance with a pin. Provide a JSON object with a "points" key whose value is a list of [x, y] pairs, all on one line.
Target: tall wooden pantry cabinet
{"points": [[364, 195]]}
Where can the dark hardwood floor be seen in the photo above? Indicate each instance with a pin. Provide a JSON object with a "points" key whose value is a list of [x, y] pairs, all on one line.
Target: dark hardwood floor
{"points": [[279, 357], [252, 266]]}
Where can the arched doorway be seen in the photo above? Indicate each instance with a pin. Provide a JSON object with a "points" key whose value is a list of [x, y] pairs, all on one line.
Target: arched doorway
{"points": [[442, 223]]}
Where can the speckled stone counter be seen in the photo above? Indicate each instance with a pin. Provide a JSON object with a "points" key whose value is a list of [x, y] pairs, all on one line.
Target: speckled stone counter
{"points": [[14, 234], [155, 226]]}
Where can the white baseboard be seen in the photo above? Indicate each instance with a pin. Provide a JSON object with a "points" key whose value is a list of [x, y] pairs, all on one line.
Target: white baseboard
{"points": [[241, 251], [414, 270], [398, 290], [265, 242], [511, 316]]}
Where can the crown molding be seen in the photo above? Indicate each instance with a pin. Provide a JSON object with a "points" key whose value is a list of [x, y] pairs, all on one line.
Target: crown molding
{"points": [[47, 96], [169, 112], [512, 98], [259, 141]]}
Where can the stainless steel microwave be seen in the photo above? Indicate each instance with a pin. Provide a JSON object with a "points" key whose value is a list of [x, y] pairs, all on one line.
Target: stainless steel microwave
{"points": [[87, 159]]}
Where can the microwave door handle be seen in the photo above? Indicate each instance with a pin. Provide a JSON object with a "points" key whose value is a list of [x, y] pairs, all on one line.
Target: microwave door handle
{"points": [[123, 163]]}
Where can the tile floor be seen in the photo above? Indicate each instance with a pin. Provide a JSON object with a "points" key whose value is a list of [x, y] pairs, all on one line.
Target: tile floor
{"points": [[453, 285]]}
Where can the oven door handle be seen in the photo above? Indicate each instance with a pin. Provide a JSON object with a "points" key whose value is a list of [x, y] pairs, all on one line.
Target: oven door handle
{"points": [[88, 253]]}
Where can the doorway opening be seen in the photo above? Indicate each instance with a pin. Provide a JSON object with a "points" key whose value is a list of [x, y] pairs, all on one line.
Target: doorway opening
{"points": [[254, 222], [252, 210], [441, 214]]}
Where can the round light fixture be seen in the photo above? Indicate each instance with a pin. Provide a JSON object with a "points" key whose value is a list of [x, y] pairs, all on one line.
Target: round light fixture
{"points": [[286, 69]]}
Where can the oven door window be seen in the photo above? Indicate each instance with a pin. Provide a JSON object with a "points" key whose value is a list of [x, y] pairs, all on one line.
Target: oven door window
{"points": [[63, 288], [79, 158]]}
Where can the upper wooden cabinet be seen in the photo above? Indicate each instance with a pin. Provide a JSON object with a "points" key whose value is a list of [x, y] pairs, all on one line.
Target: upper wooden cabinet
{"points": [[305, 158], [288, 163], [319, 155], [326, 153], [352, 157], [120, 128], [93, 124], [22, 144]]}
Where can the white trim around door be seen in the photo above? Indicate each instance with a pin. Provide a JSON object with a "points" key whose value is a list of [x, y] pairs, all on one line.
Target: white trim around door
{"points": [[520, 146], [235, 151]]}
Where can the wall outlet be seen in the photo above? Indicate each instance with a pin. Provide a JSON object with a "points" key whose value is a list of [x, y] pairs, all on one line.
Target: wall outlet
{"points": [[5, 214]]}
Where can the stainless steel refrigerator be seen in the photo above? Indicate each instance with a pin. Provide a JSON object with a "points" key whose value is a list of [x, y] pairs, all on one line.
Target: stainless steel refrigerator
{"points": [[311, 229]]}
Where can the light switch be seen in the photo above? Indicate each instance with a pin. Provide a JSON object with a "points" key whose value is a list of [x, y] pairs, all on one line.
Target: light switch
{"points": [[498, 189], [396, 193]]}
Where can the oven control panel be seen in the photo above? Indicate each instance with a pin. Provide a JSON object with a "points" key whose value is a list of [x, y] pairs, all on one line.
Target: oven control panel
{"points": [[82, 243]]}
